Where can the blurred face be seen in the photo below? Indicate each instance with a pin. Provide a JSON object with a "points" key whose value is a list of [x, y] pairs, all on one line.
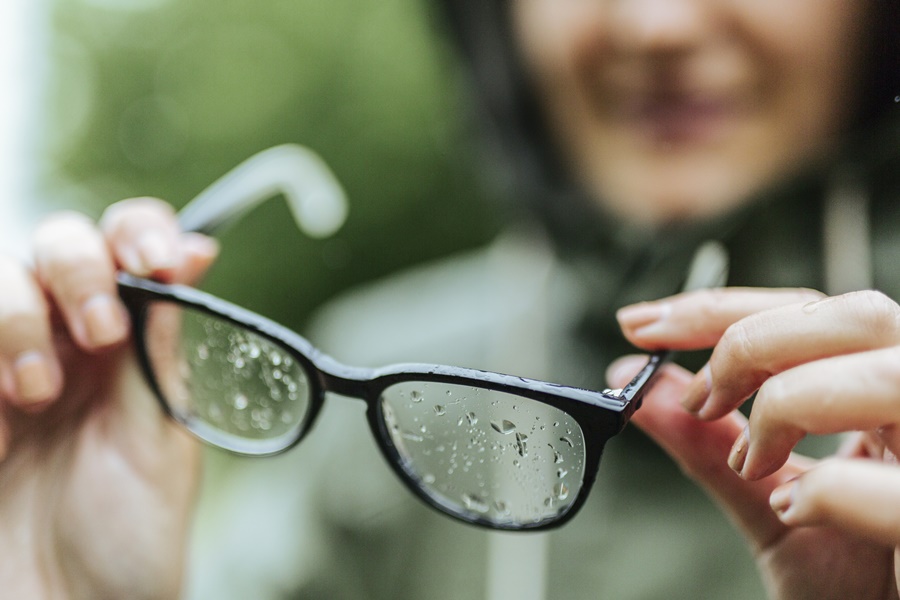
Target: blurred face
{"points": [[674, 109]]}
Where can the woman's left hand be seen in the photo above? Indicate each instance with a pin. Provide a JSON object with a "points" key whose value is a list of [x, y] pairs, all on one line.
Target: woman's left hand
{"points": [[819, 365]]}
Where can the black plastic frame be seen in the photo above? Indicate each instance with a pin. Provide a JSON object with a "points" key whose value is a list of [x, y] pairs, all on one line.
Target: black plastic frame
{"points": [[601, 415]]}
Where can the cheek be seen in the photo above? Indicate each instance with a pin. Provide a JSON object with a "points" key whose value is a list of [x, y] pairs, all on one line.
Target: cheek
{"points": [[808, 50], [555, 35]]}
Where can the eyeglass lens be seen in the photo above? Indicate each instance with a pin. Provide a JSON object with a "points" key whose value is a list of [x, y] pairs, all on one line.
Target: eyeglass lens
{"points": [[232, 387], [478, 453], [488, 455]]}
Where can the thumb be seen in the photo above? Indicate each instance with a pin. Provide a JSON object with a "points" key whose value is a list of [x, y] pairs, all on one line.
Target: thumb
{"points": [[701, 449], [198, 254]]}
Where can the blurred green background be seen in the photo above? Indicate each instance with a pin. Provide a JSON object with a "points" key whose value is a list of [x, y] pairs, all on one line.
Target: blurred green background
{"points": [[161, 97]]}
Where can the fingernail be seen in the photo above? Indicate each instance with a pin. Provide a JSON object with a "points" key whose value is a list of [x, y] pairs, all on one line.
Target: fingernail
{"points": [[738, 454], [36, 380], [156, 252], [104, 321], [697, 394], [620, 372], [782, 499], [639, 317]]}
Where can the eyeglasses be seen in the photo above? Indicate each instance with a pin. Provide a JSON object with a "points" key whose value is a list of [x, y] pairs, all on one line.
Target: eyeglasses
{"points": [[490, 449]]}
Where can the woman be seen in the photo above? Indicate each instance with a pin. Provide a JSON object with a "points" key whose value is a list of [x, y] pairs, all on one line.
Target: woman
{"points": [[678, 121]]}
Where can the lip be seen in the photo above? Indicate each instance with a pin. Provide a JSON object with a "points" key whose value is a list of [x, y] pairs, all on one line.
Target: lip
{"points": [[679, 117]]}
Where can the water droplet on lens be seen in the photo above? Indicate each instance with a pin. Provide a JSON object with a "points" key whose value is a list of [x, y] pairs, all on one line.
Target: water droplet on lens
{"points": [[439, 410], [501, 507], [275, 359], [475, 503], [567, 441], [471, 418], [561, 491], [521, 448], [504, 427], [253, 351], [239, 363], [416, 396], [202, 352], [562, 473], [240, 401], [428, 478]]}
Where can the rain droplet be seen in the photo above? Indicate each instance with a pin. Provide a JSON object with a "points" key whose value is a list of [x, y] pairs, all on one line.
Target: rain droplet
{"points": [[471, 418], [277, 374], [416, 396], [562, 473], [439, 410], [429, 478], [504, 427], [521, 448], [239, 363], [500, 507], [240, 401], [561, 491], [253, 351], [567, 441], [202, 352], [275, 359], [475, 503], [411, 437]]}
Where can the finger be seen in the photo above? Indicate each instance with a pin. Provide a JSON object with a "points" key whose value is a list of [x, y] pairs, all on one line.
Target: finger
{"points": [[859, 496], [199, 252], [698, 319], [856, 392], [144, 236], [73, 263], [769, 342], [30, 374], [702, 448]]}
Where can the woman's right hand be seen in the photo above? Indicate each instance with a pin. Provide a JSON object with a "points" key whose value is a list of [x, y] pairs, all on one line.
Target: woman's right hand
{"points": [[96, 485]]}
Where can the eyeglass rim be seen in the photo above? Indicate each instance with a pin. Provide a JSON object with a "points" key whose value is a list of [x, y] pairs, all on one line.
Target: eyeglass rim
{"points": [[599, 414]]}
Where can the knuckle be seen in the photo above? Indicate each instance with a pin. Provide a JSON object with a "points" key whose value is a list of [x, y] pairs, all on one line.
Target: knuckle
{"points": [[136, 211], [737, 343], [876, 312]]}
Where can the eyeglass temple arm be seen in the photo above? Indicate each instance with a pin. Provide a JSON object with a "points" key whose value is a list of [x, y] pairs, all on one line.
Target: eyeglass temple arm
{"points": [[313, 194], [709, 269]]}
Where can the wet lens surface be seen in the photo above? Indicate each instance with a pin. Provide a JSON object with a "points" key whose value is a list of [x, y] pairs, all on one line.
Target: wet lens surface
{"points": [[232, 387], [489, 455]]}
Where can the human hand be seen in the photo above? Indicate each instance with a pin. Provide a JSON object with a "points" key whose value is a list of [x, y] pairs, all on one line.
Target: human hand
{"points": [[96, 485], [819, 529]]}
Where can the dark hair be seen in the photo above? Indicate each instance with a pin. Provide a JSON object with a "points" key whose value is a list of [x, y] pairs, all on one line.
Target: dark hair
{"points": [[518, 134]]}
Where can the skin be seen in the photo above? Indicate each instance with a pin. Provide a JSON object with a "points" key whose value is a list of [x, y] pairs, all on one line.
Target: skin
{"points": [[666, 110], [820, 529], [677, 109], [97, 485]]}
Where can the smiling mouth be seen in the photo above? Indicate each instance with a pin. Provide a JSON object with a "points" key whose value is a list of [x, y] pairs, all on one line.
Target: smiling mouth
{"points": [[677, 118]]}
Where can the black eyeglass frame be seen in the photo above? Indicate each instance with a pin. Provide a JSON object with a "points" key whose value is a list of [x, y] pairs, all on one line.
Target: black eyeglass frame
{"points": [[318, 205], [601, 415]]}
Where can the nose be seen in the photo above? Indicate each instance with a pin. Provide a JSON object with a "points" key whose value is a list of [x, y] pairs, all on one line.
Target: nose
{"points": [[659, 26]]}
